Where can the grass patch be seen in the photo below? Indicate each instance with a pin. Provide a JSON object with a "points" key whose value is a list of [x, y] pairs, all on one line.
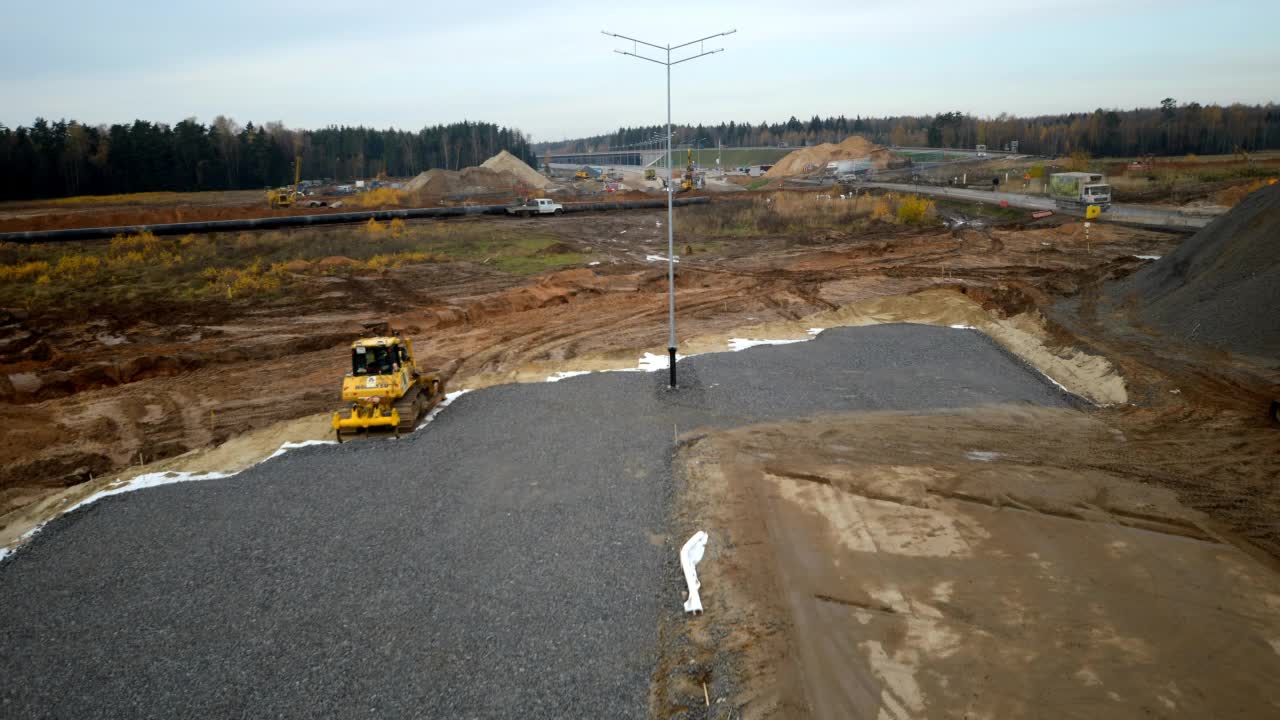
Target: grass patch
{"points": [[134, 275], [777, 213], [534, 264], [738, 157], [524, 252], [705, 247], [989, 211], [758, 183], [939, 155]]}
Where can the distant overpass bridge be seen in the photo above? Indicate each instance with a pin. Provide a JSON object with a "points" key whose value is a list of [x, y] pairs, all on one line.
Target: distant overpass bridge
{"points": [[633, 158], [651, 156]]}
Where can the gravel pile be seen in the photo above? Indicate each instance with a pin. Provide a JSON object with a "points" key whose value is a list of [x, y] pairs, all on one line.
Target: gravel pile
{"points": [[1221, 287]]}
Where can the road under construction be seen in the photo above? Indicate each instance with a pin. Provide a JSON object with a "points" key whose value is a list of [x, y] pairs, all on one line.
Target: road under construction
{"points": [[918, 445]]}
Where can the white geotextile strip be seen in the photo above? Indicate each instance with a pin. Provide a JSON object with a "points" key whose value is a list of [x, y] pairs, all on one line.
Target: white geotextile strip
{"points": [[168, 477]]}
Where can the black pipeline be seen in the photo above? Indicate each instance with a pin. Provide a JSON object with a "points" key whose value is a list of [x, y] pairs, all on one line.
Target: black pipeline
{"points": [[268, 223]]}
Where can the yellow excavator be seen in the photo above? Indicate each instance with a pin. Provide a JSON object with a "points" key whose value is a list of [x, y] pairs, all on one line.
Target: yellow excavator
{"points": [[686, 183], [284, 197], [386, 389]]}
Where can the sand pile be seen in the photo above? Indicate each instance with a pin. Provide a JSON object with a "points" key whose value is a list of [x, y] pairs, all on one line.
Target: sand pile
{"points": [[1221, 287], [503, 172], [506, 162], [854, 147], [472, 180]]}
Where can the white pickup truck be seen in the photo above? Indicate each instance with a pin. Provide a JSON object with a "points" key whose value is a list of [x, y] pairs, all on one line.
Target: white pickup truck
{"points": [[540, 206]]}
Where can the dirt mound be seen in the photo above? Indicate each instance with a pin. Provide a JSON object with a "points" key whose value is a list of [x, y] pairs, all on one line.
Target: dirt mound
{"points": [[468, 181], [1221, 287], [808, 159], [334, 261], [578, 279], [505, 162], [558, 248]]}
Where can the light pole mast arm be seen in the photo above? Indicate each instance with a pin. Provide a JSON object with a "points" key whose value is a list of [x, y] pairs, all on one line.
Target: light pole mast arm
{"points": [[671, 175]]}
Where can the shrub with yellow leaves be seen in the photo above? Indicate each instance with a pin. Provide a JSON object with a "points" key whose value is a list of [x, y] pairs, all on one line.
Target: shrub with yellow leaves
{"points": [[913, 210]]}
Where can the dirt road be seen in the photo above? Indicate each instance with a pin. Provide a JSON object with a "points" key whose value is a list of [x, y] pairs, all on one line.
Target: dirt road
{"points": [[1134, 214], [990, 563]]}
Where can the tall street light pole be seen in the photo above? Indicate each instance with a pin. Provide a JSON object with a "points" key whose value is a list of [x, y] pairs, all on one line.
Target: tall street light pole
{"points": [[671, 241]]}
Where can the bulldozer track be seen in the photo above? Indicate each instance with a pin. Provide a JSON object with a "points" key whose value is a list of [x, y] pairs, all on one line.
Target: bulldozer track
{"points": [[409, 406], [416, 404]]}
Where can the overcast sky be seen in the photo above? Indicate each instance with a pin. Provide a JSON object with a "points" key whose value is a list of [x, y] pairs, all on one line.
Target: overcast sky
{"points": [[546, 69]]}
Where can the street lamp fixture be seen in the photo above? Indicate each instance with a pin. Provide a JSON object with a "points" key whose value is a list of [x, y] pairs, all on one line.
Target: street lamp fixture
{"points": [[671, 242]]}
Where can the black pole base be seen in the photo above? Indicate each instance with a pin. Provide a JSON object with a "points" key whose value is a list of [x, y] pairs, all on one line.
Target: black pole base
{"points": [[672, 353]]}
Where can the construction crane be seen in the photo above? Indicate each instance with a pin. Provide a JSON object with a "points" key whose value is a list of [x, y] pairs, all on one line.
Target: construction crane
{"points": [[284, 197]]}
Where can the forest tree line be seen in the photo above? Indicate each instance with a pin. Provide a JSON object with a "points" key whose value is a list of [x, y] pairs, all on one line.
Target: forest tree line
{"points": [[63, 158], [1170, 129]]}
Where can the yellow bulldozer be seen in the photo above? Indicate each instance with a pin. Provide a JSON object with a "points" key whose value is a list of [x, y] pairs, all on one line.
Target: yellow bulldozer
{"points": [[650, 174], [284, 197], [386, 389]]}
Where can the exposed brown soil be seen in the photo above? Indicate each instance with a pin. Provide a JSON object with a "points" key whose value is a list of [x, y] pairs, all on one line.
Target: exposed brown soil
{"points": [[1008, 561], [996, 562], [86, 397]]}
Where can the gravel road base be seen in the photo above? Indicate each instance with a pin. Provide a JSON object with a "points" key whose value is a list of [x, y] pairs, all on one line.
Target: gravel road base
{"points": [[504, 562]]}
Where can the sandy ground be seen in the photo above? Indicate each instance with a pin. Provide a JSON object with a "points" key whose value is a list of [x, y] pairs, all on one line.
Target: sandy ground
{"points": [[992, 563]]}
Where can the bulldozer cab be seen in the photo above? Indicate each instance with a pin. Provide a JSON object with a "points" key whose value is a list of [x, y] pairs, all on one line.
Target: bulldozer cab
{"points": [[380, 356]]}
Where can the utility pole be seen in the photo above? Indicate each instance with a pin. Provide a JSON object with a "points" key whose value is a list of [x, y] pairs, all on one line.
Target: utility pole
{"points": [[671, 242]]}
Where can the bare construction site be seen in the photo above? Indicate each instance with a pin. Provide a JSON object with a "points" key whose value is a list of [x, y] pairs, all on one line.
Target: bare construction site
{"points": [[957, 433], [900, 552]]}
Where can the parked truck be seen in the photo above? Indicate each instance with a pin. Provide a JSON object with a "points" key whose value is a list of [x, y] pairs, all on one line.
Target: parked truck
{"points": [[538, 206], [1079, 190]]}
